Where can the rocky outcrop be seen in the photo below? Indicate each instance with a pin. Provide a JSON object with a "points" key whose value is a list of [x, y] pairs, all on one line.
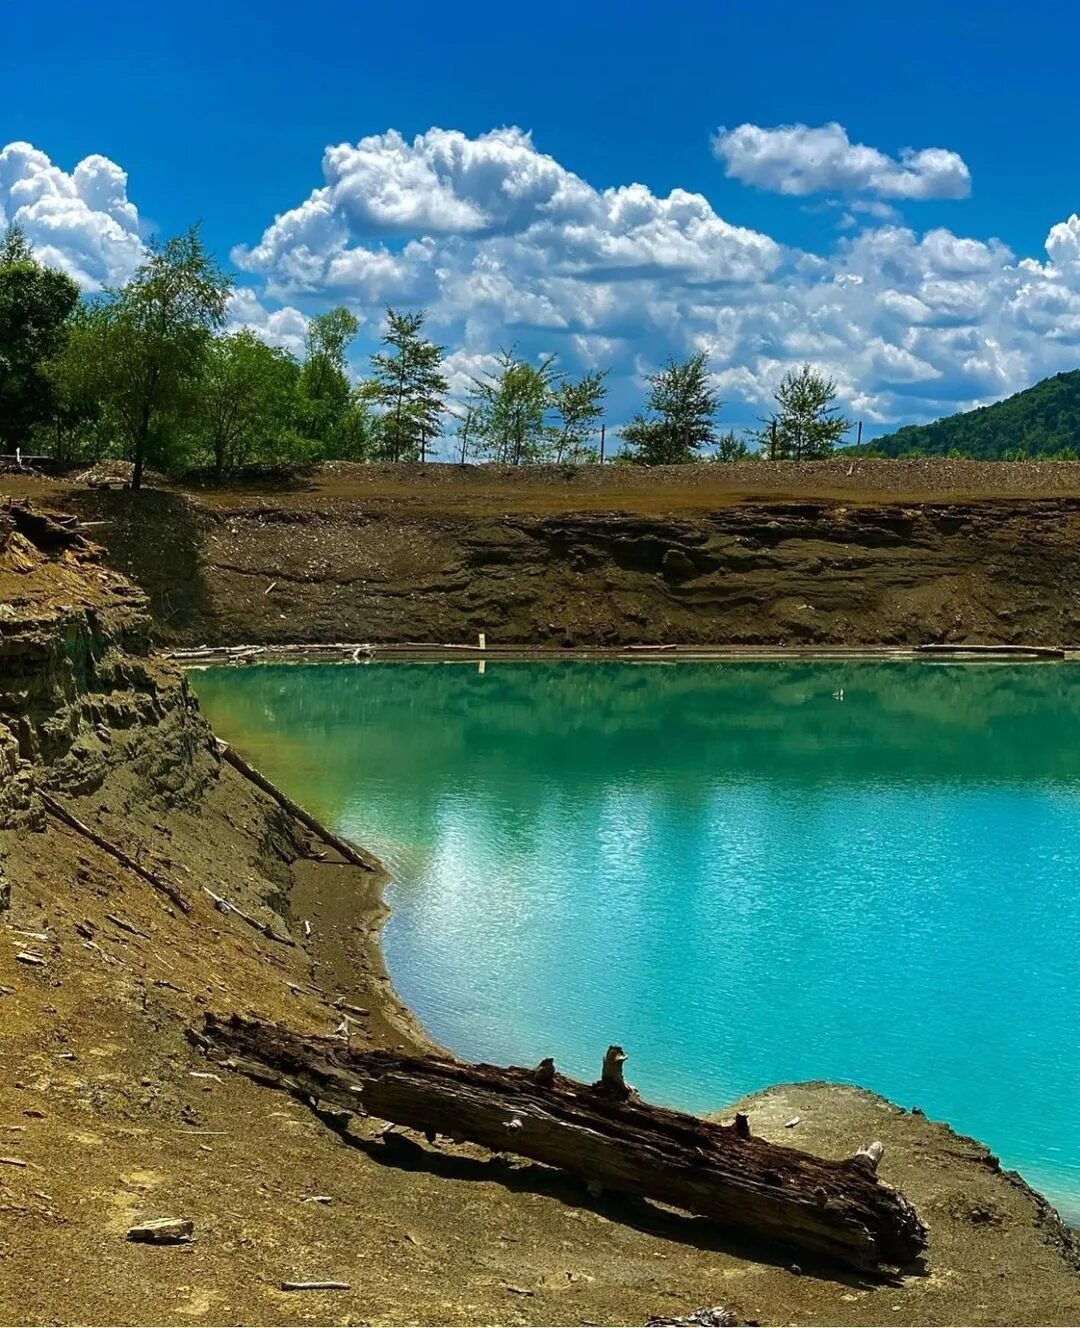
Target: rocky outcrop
{"points": [[80, 695]]}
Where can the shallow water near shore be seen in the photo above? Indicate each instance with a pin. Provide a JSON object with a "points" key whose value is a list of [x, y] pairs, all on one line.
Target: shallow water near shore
{"points": [[746, 873]]}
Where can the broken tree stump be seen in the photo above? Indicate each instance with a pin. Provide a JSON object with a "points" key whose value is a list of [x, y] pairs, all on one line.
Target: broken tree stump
{"points": [[836, 1210]]}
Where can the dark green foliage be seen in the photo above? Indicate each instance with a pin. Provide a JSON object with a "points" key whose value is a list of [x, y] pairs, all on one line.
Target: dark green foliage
{"points": [[152, 337], [513, 405], [806, 424], [1041, 421], [246, 401], [325, 394], [683, 408], [579, 407], [410, 387], [35, 302], [731, 448]]}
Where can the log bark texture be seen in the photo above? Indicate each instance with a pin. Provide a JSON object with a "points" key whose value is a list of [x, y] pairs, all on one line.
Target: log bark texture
{"points": [[835, 1210]]}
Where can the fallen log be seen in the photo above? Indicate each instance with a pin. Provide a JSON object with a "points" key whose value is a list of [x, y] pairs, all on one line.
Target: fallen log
{"points": [[348, 851], [107, 846], [837, 1210]]}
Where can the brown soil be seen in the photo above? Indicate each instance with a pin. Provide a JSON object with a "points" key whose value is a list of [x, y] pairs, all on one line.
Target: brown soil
{"points": [[105, 1102], [832, 553]]}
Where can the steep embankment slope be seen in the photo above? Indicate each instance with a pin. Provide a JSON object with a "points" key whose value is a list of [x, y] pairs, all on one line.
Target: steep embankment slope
{"points": [[108, 1117], [313, 567]]}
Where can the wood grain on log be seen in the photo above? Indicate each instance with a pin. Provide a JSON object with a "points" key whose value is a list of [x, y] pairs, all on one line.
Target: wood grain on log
{"points": [[837, 1210]]}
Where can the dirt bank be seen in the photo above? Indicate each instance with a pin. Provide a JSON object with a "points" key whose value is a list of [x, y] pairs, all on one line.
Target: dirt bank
{"points": [[825, 554], [108, 1116]]}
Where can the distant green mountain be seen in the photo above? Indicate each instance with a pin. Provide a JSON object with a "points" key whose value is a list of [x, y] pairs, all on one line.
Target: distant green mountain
{"points": [[1043, 420]]}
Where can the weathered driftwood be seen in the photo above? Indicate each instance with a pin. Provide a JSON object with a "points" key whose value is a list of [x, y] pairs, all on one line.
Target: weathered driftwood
{"points": [[348, 851], [837, 1210], [227, 906], [150, 877]]}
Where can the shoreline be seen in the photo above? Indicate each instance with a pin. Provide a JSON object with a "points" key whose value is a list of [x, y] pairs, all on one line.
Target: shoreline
{"points": [[444, 652], [330, 947]]}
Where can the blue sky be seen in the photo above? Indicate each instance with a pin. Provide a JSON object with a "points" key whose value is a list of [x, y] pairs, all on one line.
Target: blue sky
{"points": [[830, 245]]}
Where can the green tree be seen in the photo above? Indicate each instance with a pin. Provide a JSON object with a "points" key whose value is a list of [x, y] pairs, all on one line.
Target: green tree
{"points": [[513, 406], [77, 427], [355, 436], [410, 386], [579, 408], [731, 448], [807, 423], [246, 399], [325, 392], [682, 408], [35, 304], [153, 337]]}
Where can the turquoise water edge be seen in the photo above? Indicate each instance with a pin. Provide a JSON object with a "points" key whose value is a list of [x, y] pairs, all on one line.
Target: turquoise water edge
{"points": [[746, 873]]}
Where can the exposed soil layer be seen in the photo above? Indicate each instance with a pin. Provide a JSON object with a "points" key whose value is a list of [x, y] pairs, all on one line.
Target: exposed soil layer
{"points": [[762, 554], [109, 1117]]}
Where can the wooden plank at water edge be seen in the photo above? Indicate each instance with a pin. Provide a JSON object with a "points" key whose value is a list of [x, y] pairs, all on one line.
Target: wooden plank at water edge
{"points": [[835, 1210]]}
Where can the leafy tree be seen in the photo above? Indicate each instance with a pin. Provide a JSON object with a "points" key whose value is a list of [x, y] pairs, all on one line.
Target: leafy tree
{"points": [[730, 448], [76, 429], [246, 399], [153, 336], [325, 393], [355, 436], [807, 423], [683, 407], [512, 418], [35, 304], [410, 386], [469, 421], [579, 408]]}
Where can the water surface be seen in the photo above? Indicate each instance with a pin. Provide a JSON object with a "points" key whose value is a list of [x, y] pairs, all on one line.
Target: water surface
{"points": [[745, 873]]}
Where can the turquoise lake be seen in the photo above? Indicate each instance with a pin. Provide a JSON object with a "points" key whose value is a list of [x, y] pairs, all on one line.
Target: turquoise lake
{"points": [[746, 873]]}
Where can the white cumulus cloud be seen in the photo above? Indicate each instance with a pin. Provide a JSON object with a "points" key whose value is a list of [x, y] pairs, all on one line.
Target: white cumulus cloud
{"points": [[804, 159], [80, 221], [503, 245]]}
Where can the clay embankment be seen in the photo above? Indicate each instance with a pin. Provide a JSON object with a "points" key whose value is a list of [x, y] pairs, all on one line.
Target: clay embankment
{"points": [[108, 1117], [891, 554]]}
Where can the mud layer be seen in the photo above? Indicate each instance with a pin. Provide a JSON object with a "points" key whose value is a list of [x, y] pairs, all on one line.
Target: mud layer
{"points": [[836, 553], [109, 1117]]}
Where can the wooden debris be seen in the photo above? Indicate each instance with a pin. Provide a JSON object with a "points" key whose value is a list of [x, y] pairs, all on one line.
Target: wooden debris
{"points": [[150, 877], [348, 851], [870, 1156], [224, 905], [790, 1125], [124, 925], [709, 1316], [12, 1162], [163, 1231], [318, 1198], [31, 958], [616, 1142], [316, 1286]]}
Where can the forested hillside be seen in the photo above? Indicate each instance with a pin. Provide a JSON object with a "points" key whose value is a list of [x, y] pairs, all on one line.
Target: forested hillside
{"points": [[1043, 420]]}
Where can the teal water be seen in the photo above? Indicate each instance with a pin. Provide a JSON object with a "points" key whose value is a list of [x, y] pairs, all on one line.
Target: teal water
{"points": [[738, 875]]}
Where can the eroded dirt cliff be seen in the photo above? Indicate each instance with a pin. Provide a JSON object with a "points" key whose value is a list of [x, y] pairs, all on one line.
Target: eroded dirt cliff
{"points": [[568, 567]]}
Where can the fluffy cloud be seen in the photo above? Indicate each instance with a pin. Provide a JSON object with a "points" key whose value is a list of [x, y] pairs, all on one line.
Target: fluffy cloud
{"points": [[81, 222], [504, 245], [801, 159], [286, 327], [392, 220]]}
